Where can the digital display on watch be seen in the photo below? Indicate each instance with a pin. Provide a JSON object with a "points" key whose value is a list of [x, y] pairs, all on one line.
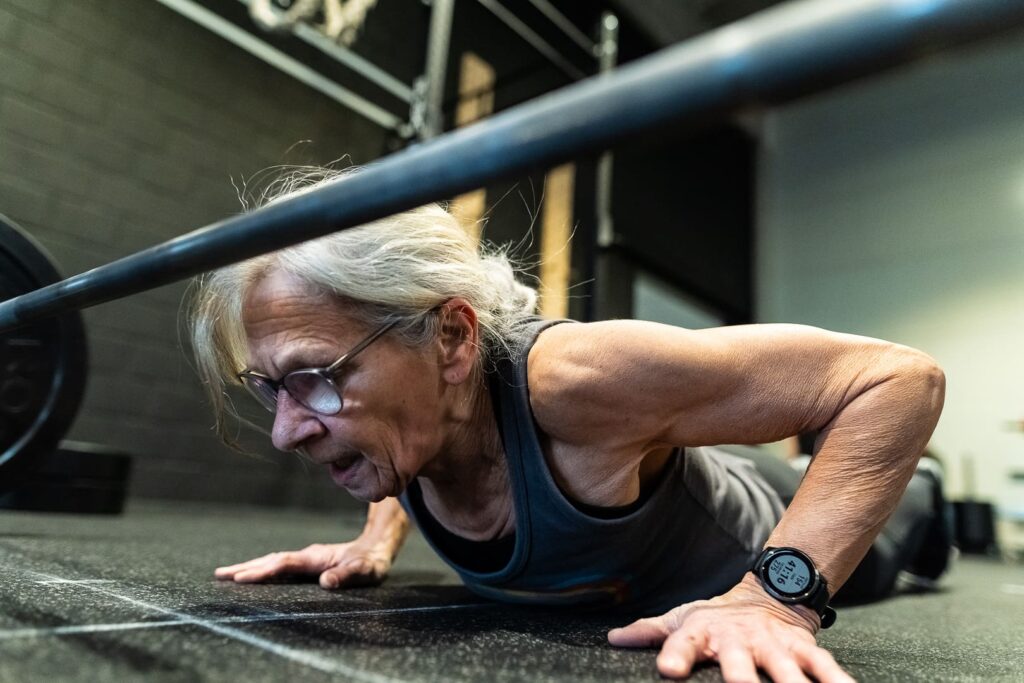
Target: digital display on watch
{"points": [[788, 574]]}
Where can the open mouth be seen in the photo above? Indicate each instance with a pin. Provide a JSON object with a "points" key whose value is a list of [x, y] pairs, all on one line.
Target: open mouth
{"points": [[343, 469]]}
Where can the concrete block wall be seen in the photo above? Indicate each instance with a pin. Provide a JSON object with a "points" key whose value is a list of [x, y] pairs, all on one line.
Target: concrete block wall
{"points": [[123, 124]]}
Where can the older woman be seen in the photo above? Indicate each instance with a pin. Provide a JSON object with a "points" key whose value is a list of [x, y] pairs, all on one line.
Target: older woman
{"points": [[563, 463]]}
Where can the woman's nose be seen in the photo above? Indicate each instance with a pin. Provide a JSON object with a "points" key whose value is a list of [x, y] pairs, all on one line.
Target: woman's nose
{"points": [[293, 423]]}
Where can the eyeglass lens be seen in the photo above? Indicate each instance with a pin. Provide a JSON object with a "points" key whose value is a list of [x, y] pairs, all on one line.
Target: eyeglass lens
{"points": [[261, 390], [311, 389], [314, 391]]}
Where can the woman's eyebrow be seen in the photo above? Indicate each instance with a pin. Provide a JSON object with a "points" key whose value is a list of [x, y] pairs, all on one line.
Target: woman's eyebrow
{"points": [[284, 368], [300, 359]]}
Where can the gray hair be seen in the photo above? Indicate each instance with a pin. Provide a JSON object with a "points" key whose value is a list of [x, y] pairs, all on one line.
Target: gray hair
{"points": [[398, 269]]}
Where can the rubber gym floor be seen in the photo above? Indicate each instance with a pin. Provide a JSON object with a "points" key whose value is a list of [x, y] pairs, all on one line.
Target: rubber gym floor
{"points": [[91, 598]]}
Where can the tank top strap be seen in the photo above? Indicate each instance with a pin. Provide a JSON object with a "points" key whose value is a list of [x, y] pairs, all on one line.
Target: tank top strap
{"points": [[510, 394]]}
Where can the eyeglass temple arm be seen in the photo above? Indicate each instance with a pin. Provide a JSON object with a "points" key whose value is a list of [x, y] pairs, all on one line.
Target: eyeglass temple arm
{"points": [[360, 346]]}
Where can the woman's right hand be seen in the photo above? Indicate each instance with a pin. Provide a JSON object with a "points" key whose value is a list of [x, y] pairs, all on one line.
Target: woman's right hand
{"points": [[338, 565]]}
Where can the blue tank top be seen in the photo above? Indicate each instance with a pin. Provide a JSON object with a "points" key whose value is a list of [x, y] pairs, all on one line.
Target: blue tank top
{"points": [[698, 528]]}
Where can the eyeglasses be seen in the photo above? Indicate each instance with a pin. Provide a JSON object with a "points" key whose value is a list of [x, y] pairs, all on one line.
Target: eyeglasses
{"points": [[313, 388]]}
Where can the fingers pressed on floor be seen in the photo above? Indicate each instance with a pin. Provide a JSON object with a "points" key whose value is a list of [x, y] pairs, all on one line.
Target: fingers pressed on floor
{"points": [[737, 664], [641, 633], [782, 667], [330, 580], [680, 652], [821, 664]]}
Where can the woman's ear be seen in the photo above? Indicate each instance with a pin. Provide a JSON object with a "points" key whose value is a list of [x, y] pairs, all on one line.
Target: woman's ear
{"points": [[459, 340]]}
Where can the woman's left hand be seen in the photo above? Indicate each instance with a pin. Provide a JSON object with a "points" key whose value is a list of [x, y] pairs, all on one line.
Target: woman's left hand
{"points": [[743, 630]]}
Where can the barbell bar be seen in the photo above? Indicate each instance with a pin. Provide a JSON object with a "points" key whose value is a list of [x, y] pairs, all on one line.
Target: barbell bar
{"points": [[768, 58]]}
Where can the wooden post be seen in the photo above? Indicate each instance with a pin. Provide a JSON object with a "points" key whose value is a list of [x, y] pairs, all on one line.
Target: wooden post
{"points": [[476, 101], [555, 242]]}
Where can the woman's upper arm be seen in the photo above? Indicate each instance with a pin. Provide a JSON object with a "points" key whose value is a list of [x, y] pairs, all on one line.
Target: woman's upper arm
{"points": [[631, 383]]}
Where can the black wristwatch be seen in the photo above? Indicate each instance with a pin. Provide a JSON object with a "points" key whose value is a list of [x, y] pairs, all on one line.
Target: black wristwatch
{"points": [[789, 576]]}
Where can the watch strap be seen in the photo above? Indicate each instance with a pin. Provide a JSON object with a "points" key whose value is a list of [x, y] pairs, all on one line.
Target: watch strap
{"points": [[818, 601]]}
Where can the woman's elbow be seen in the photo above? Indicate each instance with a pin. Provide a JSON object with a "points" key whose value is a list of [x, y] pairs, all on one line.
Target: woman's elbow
{"points": [[927, 379]]}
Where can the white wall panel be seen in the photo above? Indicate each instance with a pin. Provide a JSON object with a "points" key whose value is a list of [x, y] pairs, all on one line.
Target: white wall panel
{"points": [[895, 209]]}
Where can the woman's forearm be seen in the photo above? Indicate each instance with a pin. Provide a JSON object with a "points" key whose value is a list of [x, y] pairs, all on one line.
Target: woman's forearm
{"points": [[387, 525], [865, 458]]}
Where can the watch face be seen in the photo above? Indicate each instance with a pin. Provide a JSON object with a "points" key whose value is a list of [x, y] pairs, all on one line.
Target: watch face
{"points": [[789, 574]]}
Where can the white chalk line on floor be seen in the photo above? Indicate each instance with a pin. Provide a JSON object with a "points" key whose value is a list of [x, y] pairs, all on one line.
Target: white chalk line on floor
{"points": [[14, 633], [1013, 588], [303, 657]]}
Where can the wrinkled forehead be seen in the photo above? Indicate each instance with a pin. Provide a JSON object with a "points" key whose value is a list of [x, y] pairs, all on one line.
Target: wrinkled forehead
{"points": [[281, 309], [278, 293]]}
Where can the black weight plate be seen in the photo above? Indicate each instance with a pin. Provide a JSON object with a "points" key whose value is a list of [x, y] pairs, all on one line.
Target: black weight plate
{"points": [[42, 365], [81, 460], [79, 498]]}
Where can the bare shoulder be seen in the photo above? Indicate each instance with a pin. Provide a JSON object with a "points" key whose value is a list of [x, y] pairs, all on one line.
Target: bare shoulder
{"points": [[571, 369]]}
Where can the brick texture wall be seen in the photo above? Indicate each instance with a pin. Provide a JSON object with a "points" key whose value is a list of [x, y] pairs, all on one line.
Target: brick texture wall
{"points": [[122, 124]]}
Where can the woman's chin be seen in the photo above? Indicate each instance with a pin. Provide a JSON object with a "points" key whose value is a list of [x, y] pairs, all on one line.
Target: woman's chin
{"points": [[367, 495]]}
